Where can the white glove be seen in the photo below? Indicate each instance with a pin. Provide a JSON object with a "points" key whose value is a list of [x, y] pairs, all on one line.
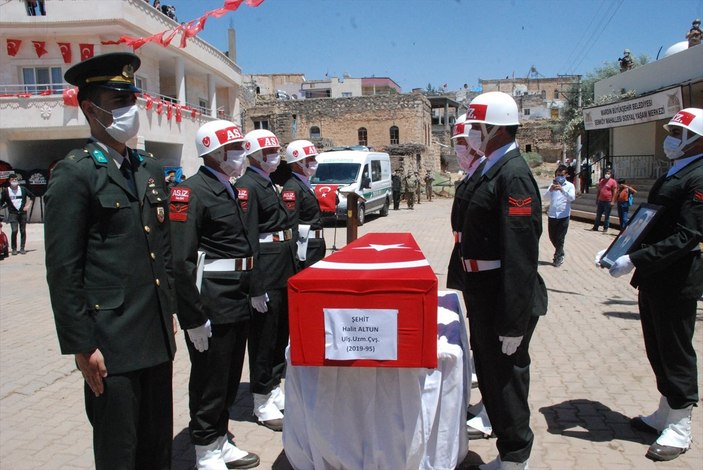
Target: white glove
{"points": [[622, 266], [200, 335], [599, 255], [259, 303], [510, 344]]}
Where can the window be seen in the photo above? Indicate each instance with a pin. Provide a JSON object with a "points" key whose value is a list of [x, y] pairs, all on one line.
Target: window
{"points": [[263, 124], [314, 132], [140, 83], [204, 106], [45, 78], [346, 94], [395, 135], [375, 170], [555, 113], [544, 94], [526, 111], [556, 94], [363, 136]]}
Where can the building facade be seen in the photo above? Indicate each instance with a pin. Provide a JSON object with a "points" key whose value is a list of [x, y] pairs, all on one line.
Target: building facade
{"points": [[182, 87]]}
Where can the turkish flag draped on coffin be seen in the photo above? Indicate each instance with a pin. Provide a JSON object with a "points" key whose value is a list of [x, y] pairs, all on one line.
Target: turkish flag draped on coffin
{"points": [[376, 273]]}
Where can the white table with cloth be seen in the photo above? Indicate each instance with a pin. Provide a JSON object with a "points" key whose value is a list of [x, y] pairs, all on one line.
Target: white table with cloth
{"points": [[383, 418]]}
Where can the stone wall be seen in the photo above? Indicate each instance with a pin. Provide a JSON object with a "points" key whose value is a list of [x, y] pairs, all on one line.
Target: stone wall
{"points": [[339, 120]]}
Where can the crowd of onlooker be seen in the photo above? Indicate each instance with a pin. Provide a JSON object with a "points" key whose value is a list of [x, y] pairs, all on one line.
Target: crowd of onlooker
{"points": [[168, 10]]}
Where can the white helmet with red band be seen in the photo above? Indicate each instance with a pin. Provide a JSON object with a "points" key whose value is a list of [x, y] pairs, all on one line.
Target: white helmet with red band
{"points": [[688, 118], [215, 134], [493, 108], [260, 139], [461, 129], [299, 150]]}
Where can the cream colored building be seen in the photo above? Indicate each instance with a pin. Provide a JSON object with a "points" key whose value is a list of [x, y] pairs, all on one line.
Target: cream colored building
{"points": [[37, 128]]}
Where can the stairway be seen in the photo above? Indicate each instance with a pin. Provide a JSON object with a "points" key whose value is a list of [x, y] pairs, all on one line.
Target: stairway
{"points": [[584, 207]]}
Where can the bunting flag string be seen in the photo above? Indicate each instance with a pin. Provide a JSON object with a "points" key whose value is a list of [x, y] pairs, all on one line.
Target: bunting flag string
{"points": [[13, 46], [40, 47], [65, 48], [187, 30]]}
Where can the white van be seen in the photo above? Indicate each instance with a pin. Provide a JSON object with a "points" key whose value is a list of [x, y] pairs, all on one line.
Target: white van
{"points": [[366, 173]]}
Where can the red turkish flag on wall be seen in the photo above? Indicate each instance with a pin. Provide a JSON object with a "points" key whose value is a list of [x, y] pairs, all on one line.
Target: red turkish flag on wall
{"points": [[87, 51], [40, 47], [65, 48], [13, 46], [70, 97], [327, 196]]}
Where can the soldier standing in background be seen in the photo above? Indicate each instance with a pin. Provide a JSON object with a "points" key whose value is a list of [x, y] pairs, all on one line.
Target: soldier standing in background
{"points": [[411, 185], [396, 186], [213, 303], [303, 206], [271, 236]]}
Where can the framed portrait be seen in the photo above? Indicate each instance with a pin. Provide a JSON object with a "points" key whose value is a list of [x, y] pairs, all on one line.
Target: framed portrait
{"points": [[630, 238]]}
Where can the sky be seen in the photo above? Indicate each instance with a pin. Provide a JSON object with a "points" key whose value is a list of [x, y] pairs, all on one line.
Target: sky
{"points": [[438, 42]]}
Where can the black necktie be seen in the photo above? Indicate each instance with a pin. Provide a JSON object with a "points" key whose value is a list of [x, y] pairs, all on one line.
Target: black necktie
{"points": [[126, 170]]}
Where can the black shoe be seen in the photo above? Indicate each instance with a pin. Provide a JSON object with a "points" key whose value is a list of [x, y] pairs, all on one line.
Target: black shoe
{"points": [[594, 229], [14, 252], [660, 453], [558, 261], [273, 424], [640, 425], [248, 461], [22, 252]]}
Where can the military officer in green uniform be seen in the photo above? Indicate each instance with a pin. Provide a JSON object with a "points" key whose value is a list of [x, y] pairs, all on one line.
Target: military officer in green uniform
{"points": [[109, 270], [411, 184], [302, 204], [213, 259]]}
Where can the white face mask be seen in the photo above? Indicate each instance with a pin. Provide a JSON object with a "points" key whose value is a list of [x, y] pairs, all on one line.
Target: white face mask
{"points": [[673, 146], [125, 122], [310, 168], [486, 138], [271, 163], [474, 140], [463, 157], [14, 184], [233, 166]]}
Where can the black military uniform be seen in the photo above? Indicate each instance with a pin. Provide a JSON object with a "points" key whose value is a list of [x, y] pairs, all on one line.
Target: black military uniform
{"points": [[271, 236], [304, 212], [504, 294], [396, 187], [669, 276], [206, 217], [109, 270]]}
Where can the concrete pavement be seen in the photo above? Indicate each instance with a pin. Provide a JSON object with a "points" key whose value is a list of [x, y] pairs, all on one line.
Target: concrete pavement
{"points": [[589, 371]]}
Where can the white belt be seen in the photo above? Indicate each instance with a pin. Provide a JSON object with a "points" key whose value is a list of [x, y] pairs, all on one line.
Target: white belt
{"points": [[457, 237], [280, 236], [228, 265], [476, 265]]}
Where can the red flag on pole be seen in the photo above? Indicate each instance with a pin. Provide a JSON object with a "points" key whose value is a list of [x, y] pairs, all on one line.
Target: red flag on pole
{"points": [[13, 46], [65, 48], [327, 196], [87, 51], [40, 47]]}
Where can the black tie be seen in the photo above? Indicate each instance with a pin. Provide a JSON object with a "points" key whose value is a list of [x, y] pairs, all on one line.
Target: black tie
{"points": [[126, 170]]}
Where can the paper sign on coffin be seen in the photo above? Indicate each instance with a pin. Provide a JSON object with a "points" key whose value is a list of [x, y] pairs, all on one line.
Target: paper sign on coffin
{"points": [[371, 304]]}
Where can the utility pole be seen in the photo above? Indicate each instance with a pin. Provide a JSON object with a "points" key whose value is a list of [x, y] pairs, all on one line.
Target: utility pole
{"points": [[578, 142]]}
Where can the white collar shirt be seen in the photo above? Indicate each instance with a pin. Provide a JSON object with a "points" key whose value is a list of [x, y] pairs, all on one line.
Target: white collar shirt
{"points": [[560, 201]]}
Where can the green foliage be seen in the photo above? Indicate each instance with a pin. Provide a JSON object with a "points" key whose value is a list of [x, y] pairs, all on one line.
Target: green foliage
{"points": [[533, 159]]}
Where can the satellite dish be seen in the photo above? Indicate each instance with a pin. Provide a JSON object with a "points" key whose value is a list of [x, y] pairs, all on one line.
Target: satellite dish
{"points": [[678, 47]]}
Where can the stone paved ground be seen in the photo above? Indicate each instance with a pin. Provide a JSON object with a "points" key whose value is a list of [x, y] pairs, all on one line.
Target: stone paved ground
{"points": [[589, 371]]}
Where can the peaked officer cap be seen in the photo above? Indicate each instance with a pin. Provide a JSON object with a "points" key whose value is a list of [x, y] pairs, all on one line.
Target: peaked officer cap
{"points": [[113, 71]]}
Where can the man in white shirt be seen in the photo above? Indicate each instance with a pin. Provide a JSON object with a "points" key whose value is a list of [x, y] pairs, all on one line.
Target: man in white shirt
{"points": [[561, 194]]}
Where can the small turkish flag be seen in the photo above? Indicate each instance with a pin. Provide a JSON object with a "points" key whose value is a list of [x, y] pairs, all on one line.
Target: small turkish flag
{"points": [[70, 97], [178, 114], [40, 47], [327, 196], [169, 111], [87, 51], [13, 46], [65, 51], [149, 101], [159, 106]]}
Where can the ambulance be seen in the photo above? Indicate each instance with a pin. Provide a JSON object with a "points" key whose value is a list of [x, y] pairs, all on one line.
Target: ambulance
{"points": [[364, 172]]}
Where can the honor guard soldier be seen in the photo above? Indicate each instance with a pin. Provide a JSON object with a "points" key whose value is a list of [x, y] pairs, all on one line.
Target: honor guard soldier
{"points": [[299, 198], [502, 223], [109, 270], [274, 262], [669, 276], [213, 259]]}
